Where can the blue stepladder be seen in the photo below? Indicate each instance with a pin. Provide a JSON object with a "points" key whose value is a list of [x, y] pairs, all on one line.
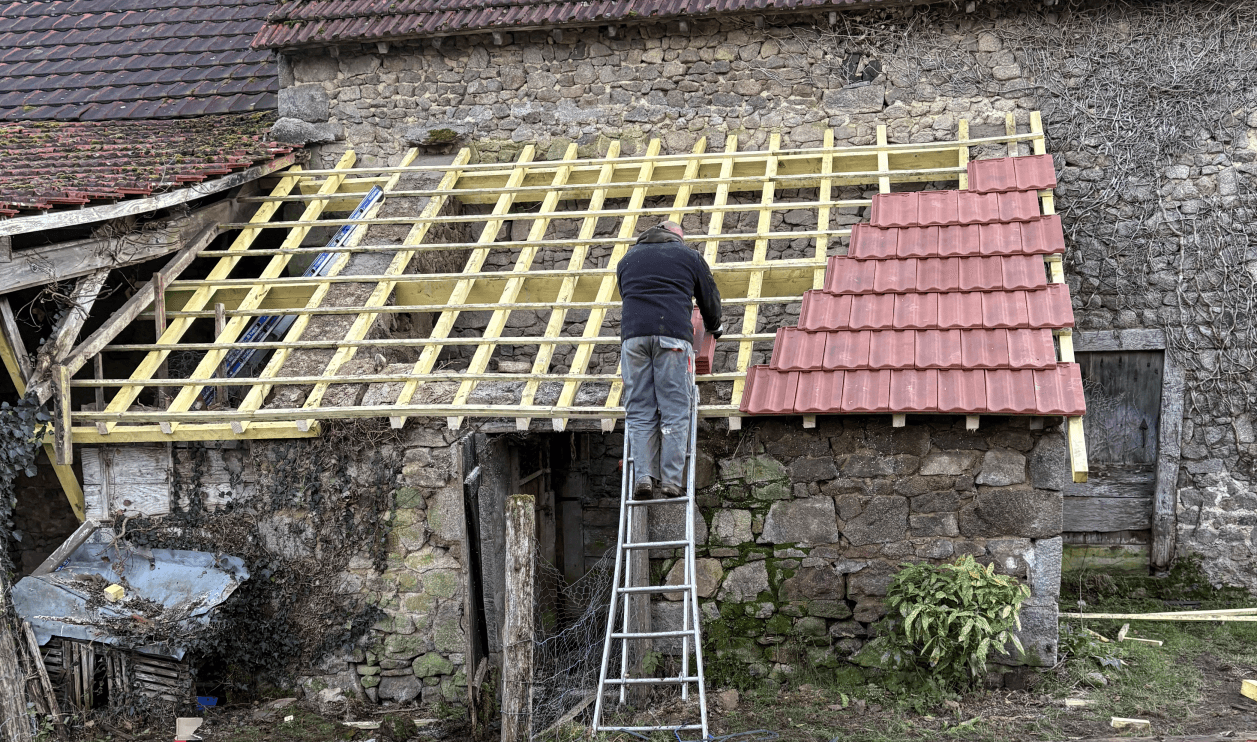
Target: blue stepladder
{"points": [[690, 632], [267, 327]]}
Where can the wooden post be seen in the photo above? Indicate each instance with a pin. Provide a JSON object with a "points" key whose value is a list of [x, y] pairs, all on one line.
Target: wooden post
{"points": [[14, 723], [159, 324], [98, 366], [639, 605], [220, 323], [517, 642]]}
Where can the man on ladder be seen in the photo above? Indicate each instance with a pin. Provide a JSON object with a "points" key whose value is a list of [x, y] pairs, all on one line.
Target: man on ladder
{"points": [[657, 278]]}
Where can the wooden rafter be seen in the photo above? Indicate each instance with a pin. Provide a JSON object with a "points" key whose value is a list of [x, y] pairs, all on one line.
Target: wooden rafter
{"points": [[573, 208]]}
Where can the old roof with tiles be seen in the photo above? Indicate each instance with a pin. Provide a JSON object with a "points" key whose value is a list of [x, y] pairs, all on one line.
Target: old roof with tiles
{"points": [[307, 22], [98, 60], [942, 305]]}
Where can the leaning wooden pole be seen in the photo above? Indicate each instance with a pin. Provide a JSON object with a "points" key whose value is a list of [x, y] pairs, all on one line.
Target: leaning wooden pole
{"points": [[521, 542], [15, 725]]}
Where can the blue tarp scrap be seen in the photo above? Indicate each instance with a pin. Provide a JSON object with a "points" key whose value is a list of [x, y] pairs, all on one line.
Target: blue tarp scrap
{"points": [[66, 603]]}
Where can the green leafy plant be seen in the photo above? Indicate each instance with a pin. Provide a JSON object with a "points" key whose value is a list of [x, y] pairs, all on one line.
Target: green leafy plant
{"points": [[946, 619]]}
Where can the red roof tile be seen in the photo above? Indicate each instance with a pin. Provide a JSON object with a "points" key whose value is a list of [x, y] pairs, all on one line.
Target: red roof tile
{"points": [[941, 305], [1012, 174], [299, 22], [704, 345]]}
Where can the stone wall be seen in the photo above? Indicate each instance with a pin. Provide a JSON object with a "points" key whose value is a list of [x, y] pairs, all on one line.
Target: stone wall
{"points": [[1157, 208]]}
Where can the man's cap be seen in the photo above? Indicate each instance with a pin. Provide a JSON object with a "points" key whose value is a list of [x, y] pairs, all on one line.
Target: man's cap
{"points": [[672, 227]]}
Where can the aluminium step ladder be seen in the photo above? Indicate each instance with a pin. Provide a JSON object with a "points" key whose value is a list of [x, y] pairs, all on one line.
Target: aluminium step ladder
{"points": [[690, 632]]}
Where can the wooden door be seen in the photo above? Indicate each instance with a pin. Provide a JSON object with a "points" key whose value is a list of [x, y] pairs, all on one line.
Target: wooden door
{"points": [[1108, 519]]}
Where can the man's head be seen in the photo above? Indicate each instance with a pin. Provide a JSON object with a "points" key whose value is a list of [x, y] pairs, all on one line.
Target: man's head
{"points": [[673, 227]]}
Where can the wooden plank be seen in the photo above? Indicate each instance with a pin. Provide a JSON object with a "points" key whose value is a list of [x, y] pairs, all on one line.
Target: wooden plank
{"points": [[750, 315], [12, 679], [91, 214], [716, 224], [275, 266], [510, 291], [445, 323], [558, 314], [12, 349], [66, 332], [822, 213], [1010, 128], [678, 205], [517, 644], [1113, 340], [962, 153], [68, 547], [1116, 481], [1106, 514], [628, 229], [1039, 146], [573, 525], [257, 395], [1169, 434], [1130, 558], [202, 297]]}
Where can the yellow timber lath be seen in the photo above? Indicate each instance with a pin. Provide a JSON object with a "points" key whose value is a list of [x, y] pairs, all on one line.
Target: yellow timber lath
{"points": [[579, 214]]}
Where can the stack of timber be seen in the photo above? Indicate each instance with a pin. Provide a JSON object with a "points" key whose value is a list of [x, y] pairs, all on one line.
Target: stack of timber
{"points": [[75, 664], [24, 683]]}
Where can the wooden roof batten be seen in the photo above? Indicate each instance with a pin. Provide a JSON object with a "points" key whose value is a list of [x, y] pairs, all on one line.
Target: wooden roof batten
{"points": [[585, 192]]}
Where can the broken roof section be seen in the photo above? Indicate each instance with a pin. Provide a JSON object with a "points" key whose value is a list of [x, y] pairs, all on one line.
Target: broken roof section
{"points": [[324, 22], [168, 593]]}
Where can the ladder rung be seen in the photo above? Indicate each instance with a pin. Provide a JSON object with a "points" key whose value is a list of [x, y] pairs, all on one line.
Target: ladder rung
{"points": [[651, 681], [657, 545], [655, 634], [684, 728], [663, 501], [653, 589]]}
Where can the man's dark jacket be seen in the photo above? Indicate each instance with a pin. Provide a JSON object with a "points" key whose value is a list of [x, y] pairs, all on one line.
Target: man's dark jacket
{"points": [[657, 278]]}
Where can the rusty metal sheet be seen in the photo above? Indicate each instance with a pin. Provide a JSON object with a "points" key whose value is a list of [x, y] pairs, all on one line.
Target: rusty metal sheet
{"points": [[914, 390], [847, 350]]}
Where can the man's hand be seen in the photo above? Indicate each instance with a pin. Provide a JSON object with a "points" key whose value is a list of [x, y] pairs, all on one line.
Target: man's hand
{"points": [[716, 333]]}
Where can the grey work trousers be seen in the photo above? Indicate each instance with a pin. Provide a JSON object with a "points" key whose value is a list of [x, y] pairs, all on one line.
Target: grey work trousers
{"points": [[658, 376]]}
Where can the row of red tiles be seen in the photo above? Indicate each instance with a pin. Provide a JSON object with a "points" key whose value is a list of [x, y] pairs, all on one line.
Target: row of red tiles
{"points": [[1049, 307], [939, 208], [1054, 391], [796, 350], [845, 275], [1041, 236], [1034, 173]]}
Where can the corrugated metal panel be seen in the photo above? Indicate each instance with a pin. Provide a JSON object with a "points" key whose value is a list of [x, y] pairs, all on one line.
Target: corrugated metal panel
{"points": [[847, 350], [1011, 392], [914, 391], [819, 392], [866, 391], [824, 311]]}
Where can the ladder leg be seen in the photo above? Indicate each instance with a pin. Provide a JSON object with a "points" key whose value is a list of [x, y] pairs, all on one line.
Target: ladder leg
{"points": [[627, 519], [615, 582], [692, 513]]}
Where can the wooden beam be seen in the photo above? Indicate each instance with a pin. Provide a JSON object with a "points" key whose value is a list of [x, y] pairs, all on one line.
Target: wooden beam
{"points": [[517, 639], [445, 323], [66, 332], [142, 298], [1106, 514], [68, 547], [1169, 434], [130, 207], [1112, 340]]}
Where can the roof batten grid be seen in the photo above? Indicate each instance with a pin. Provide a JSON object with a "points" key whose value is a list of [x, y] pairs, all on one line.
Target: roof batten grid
{"points": [[510, 292], [784, 278], [678, 205], [558, 314], [750, 315], [427, 359], [628, 227]]}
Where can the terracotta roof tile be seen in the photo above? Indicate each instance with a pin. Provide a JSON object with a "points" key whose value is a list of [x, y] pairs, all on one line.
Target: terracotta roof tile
{"points": [[818, 391], [914, 390], [1010, 392], [938, 274], [1004, 309], [1058, 391], [984, 348], [872, 312], [1050, 308], [121, 55], [962, 391], [1012, 174], [300, 22], [1031, 349], [769, 392], [939, 349], [847, 350], [824, 311], [893, 349], [800, 351], [866, 391], [916, 311]]}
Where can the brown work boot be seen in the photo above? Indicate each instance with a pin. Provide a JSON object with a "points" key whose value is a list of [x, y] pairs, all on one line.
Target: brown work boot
{"points": [[644, 488], [672, 490]]}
